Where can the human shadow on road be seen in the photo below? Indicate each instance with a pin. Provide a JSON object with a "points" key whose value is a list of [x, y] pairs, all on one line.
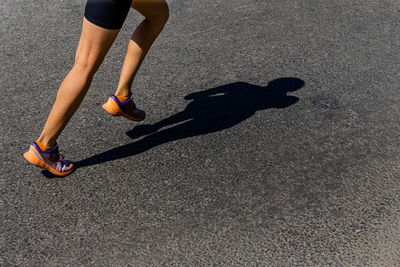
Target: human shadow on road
{"points": [[210, 111]]}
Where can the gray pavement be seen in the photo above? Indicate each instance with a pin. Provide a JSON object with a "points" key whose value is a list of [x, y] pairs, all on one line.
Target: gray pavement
{"points": [[272, 138]]}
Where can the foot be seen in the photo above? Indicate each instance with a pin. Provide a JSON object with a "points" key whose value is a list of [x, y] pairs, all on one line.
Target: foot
{"points": [[126, 108], [50, 160]]}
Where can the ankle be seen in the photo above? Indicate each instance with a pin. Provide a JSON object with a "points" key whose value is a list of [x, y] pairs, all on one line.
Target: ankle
{"points": [[44, 145], [123, 93]]}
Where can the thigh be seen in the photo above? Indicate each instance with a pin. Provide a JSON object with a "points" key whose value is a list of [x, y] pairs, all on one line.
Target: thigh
{"points": [[94, 44], [108, 14]]}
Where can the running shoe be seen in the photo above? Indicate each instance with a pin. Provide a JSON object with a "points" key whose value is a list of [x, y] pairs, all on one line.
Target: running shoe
{"points": [[50, 160], [126, 108]]}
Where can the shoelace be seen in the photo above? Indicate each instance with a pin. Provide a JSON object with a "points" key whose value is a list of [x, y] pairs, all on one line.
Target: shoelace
{"points": [[61, 158], [62, 164]]}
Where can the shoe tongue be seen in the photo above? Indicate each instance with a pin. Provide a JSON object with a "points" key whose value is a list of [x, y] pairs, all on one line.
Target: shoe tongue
{"points": [[54, 155]]}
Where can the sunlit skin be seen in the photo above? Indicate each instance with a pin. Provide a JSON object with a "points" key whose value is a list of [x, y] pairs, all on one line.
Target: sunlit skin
{"points": [[93, 46]]}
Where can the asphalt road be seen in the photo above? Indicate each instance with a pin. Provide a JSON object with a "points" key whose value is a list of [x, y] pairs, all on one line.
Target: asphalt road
{"points": [[272, 138]]}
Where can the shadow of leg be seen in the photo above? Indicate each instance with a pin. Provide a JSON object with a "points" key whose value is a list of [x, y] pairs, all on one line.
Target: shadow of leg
{"points": [[141, 130]]}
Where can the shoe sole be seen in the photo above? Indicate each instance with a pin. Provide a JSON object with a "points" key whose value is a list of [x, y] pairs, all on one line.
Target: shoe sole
{"points": [[112, 108], [33, 159]]}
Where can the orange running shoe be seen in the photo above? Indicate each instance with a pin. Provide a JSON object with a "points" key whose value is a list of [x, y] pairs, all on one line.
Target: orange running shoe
{"points": [[50, 160], [126, 108]]}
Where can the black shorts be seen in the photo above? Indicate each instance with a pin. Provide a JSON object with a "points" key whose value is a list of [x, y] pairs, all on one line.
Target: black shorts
{"points": [[109, 14]]}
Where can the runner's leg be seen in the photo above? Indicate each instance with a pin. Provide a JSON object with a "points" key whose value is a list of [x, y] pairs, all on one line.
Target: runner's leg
{"points": [[94, 44], [156, 14]]}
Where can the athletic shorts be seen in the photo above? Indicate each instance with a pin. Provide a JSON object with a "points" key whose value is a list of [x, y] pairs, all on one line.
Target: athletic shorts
{"points": [[109, 14]]}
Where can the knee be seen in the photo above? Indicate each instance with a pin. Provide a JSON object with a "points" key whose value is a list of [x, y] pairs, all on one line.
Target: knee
{"points": [[86, 67]]}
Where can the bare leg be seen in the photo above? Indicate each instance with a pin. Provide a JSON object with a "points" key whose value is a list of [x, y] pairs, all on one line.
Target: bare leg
{"points": [[156, 15], [93, 46]]}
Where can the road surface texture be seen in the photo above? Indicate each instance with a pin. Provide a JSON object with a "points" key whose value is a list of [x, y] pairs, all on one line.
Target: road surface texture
{"points": [[272, 138]]}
